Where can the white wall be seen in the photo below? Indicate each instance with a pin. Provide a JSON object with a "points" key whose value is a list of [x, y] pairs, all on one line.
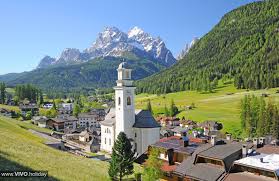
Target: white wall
{"points": [[146, 137], [107, 138]]}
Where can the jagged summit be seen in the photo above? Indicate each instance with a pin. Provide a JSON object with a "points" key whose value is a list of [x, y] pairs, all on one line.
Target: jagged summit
{"points": [[186, 49], [113, 42]]}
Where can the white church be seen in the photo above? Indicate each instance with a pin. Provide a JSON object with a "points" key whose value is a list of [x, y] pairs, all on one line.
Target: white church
{"points": [[139, 125]]}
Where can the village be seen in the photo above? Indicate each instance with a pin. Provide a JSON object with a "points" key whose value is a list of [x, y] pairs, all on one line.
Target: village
{"points": [[188, 150]]}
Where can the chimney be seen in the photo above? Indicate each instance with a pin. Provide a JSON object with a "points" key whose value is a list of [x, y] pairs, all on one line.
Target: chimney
{"points": [[261, 159], [229, 137], [256, 142], [262, 141], [268, 139], [244, 150], [213, 140], [185, 139], [195, 134]]}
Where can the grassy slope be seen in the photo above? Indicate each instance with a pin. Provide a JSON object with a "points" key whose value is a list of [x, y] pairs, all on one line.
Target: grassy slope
{"points": [[20, 149], [212, 106]]}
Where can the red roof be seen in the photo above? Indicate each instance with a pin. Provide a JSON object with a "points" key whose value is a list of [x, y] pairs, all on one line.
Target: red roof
{"points": [[168, 168], [170, 138]]}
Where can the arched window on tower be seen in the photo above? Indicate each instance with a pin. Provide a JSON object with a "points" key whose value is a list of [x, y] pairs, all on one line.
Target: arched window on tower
{"points": [[127, 75], [119, 100], [128, 100]]}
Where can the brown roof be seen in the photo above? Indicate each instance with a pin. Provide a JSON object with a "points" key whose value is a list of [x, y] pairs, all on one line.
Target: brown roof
{"points": [[246, 176], [269, 149], [176, 143], [205, 171]]}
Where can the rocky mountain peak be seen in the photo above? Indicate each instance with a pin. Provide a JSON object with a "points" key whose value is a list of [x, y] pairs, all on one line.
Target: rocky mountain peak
{"points": [[46, 61], [113, 42], [69, 55], [135, 32], [186, 49]]}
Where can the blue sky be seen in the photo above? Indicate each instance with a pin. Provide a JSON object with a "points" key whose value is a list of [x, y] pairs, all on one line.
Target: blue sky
{"points": [[30, 29]]}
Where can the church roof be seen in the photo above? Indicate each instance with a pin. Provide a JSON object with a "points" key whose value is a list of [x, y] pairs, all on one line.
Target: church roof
{"points": [[144, 119], [109, 119]]}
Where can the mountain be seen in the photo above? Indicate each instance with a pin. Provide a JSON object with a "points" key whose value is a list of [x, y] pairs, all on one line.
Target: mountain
{"points": [[46, 61], [243, 48], [186, 49], [96, 73], [115, 43]]}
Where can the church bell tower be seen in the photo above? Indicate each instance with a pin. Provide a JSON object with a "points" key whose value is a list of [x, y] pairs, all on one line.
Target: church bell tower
{"points": [[124, 101]]}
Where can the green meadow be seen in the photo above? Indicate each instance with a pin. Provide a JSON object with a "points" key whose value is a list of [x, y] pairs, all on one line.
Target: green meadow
{"points": [[21, 150], [222, 105]]}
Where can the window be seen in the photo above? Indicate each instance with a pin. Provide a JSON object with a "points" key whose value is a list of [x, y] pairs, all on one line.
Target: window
{"points": [[135, 135], [119, 100], [128, 100], [127, 75], [109, 141], [135, 147], [105, 141]]}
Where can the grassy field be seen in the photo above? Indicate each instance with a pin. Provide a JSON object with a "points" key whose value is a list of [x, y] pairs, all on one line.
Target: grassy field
{"points": [[222, 105], [21, 150]]}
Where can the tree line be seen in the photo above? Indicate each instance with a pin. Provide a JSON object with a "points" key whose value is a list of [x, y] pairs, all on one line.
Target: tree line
{"points": [[30, 92], [259, 118], [2, 93], [171, 111]]}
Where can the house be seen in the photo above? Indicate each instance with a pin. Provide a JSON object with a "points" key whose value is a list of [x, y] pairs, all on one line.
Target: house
{"points": [[258, 167], [166, 132], [47, 105], [33, 108], [178, 130], [41, 121], [84, 136], [190, 124], [88, 120], [173, 150], [62, 121], [8, 113], [211, 125], [100, 113], [210, 162], [259, 164], [139, 125], [11, 102], [67, 106], [170, 121]]}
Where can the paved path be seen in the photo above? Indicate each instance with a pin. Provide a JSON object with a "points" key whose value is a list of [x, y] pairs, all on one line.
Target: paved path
{"points": [[48, 138]]}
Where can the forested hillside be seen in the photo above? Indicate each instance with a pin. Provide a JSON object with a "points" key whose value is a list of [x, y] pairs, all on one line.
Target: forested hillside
{"points": [[243, 47], [98, 73]]}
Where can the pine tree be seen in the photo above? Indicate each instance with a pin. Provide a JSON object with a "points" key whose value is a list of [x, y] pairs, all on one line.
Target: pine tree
{"points": [[262, 117], [166, 111], [269, 116], [77, 109], [122, 158], [149, 107], [173, 109], [275, 123], [2, 93]]}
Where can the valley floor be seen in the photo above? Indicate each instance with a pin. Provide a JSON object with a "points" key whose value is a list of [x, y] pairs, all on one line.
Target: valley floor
{"points": [[223, 105]]}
